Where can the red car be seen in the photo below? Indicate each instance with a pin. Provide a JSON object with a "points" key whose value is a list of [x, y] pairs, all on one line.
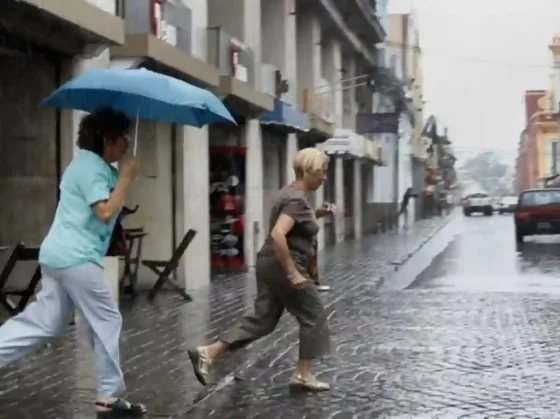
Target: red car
{"points": [[537, 212]]}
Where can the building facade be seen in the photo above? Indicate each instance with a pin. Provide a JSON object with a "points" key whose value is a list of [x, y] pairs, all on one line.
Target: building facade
{"points": [[293, 74], [538, 157]]}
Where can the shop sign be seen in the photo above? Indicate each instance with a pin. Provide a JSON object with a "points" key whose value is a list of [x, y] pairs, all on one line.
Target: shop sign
{"points": [[344, 141], [371, 150], [377, 123]]}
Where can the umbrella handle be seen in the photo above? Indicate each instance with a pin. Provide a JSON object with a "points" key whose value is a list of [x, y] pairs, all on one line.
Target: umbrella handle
{"points": [[135, 147]]}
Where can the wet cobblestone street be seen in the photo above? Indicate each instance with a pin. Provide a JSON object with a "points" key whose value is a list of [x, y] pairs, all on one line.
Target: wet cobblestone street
{"points": [[443, 346]]}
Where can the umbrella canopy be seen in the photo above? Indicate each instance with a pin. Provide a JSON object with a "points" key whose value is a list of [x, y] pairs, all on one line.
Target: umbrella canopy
{"points": [[141, 93]]}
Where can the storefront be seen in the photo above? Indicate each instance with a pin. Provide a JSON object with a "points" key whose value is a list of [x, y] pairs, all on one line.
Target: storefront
{"points": [[236, 157], [171, 188], [343, 184], [40, 42]]}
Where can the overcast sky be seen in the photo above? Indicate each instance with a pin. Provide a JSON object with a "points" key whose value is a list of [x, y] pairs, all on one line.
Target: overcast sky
{"points": [[479, 58]]}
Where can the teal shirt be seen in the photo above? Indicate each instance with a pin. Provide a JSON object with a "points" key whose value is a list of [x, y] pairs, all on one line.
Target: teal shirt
{"points": [[77, 235]]}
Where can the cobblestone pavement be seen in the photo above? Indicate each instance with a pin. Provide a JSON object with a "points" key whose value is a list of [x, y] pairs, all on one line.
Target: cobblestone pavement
{"points": [[452, 345], [58, 382]]}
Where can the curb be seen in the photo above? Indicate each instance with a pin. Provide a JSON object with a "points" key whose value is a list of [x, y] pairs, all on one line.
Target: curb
{"points": [[424, 242], [398, 263]]}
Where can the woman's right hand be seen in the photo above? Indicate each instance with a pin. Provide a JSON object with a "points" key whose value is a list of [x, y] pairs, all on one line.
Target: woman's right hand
{"points": [[129, 168], [299, 281]]}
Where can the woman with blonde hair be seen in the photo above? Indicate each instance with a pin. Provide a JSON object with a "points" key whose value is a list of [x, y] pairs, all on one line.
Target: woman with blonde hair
{"points": [[283, 278]]}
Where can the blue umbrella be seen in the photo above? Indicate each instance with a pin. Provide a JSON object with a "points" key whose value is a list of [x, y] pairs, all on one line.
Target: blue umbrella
{"points": [[143, 94]]}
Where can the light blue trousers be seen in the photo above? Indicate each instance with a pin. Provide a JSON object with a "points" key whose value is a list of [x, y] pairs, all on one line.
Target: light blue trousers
{"points": [[85, 288]]}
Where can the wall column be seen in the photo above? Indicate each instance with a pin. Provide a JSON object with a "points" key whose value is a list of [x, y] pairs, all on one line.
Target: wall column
{"points": [[291, 150], [339, 200], [254, 234], [193, 207], [357, 185]]}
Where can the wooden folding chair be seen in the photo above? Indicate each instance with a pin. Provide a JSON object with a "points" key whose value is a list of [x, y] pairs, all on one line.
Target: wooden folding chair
{"points": [[163, 269], [20, 253], [133, 237]]}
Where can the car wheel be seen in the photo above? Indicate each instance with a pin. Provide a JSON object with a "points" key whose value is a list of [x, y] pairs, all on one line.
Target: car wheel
{"points": [[488, 213], [467, 213], [518, 236]]}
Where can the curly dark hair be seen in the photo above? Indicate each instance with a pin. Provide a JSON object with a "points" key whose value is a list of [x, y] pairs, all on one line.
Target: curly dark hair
{"points": [[102, 126]]}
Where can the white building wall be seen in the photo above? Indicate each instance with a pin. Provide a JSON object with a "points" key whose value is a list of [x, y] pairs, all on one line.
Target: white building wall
{"points": [[279, 41], [308, 53], [110, 6], [309, 71], [152, 192], [230, 18], [193, 206], [254, 225], [384, 176], [199, 23], [291, 150]]}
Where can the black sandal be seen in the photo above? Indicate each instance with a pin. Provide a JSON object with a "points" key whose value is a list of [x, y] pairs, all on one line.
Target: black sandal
{"points": [[120, 408]]}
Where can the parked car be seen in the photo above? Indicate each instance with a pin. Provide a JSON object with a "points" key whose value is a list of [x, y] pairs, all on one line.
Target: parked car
{"points": [[537, 213], [507, 204], [477, 202]]}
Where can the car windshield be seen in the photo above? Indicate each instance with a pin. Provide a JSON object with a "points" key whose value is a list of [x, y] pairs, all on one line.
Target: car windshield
{"points": [[477, 195], [536, 198]]}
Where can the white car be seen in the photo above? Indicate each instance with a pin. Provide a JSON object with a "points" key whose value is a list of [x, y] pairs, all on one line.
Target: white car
{"points": [[478, 202], [508, 204]]}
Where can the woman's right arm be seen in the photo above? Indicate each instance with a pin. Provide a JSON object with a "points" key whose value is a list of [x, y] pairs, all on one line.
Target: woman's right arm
{"points": [[105, 210], [96, 190]]}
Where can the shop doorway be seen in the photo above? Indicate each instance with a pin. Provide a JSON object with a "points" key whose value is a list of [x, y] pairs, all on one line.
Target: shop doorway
{"points": [[227, 194], [30, 142]]}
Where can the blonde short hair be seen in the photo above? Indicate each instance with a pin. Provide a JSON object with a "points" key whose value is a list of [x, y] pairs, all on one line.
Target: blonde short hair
{"points": [[309, 160]]}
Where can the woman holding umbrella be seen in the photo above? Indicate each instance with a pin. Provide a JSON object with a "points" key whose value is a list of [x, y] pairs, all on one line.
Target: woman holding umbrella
{"points": [[284, 278], [91, 197]]}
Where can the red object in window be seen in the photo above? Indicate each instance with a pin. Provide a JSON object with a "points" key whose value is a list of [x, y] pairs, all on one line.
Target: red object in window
{"points": [[230, 203], [239, 225], [156, 7]]}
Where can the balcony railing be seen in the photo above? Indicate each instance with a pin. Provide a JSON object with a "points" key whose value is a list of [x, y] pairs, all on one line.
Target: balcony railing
{"points": [[168, 21], [231, 56]]}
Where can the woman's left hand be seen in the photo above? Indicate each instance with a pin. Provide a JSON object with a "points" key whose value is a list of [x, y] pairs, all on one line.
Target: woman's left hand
{"points": [[325, 209]]}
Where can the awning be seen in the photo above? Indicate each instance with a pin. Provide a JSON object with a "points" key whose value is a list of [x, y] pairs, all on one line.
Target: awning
{"points": [[371, 151], [61, 25], [351, 145], [287, 118], [242, 98], [161, 56]]}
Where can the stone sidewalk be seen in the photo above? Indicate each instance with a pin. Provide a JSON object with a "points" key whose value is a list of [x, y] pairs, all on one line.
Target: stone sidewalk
{"points": [[58, 382]]}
